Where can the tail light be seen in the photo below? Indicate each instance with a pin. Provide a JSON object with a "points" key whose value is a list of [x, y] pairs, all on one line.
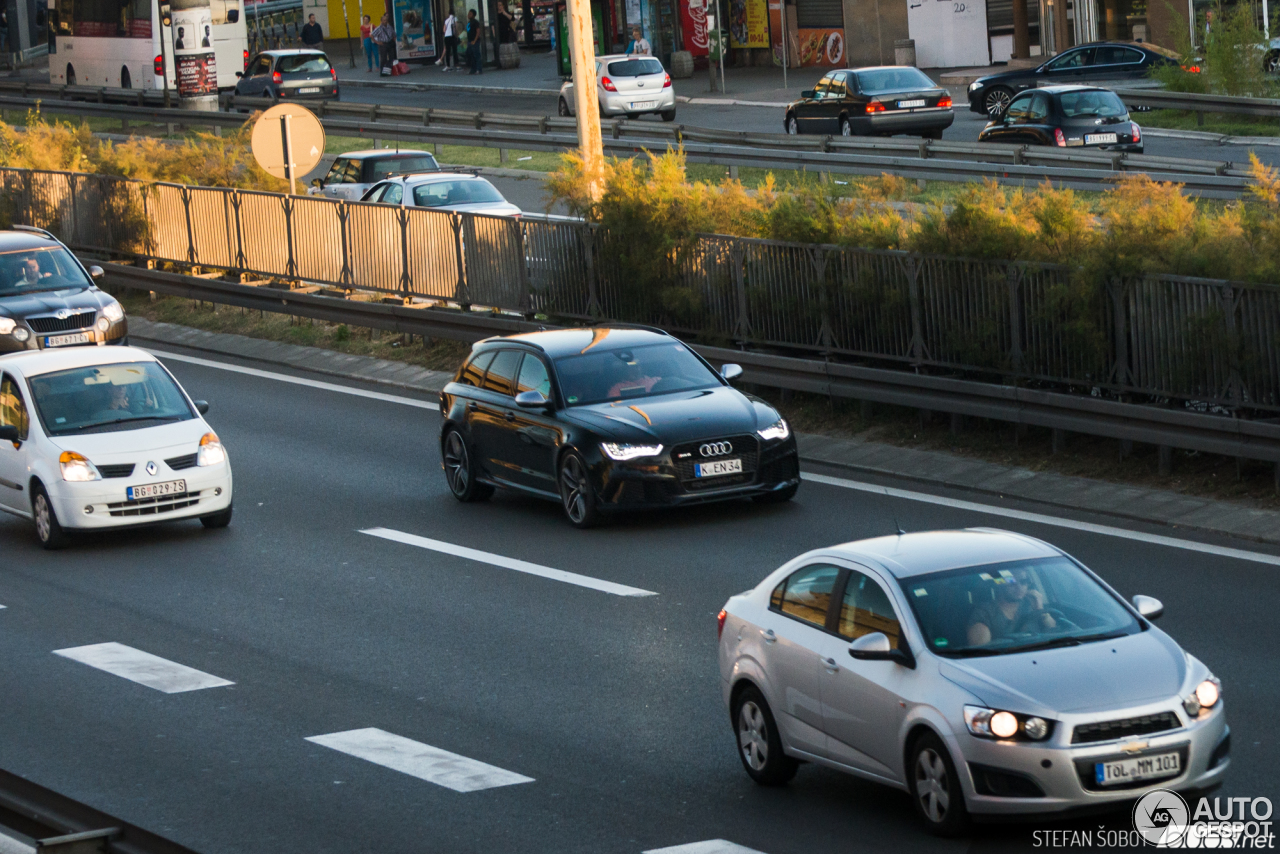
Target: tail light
{"points": [[608, 84], [875, 107], [246, 58], [333, 72], [1059, 138], [1137, 131], [944, 101], [277, 77], [159, 64], [720, 623], [666, 82], [1194, 69]]}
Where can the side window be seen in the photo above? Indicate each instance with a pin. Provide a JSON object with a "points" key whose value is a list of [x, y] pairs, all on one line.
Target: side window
{"points": [[473, 373], [1039, 108], [376, 194], [533, 376], [836, 89], [1019, 110], [502, 371], [262, 66], [807, 596], [865, 609], [338, 172], [13, 412], [775, 600], [393, 194]]}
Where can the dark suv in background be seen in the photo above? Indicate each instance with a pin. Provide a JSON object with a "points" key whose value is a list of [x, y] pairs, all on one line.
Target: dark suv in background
{"points": [[48, 298]]}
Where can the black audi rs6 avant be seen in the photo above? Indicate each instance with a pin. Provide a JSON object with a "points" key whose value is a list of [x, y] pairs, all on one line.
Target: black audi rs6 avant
{"points": [[609, 418]]}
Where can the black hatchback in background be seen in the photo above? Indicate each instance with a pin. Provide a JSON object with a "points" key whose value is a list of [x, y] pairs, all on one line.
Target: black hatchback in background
{"points": [[289, 75], [886, 99], [1068, 117], [48, 299]]}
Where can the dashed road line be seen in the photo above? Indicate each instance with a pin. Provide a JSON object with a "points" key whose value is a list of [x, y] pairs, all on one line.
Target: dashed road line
{"points": [[419, 760], [710, 846], [142, 667], [507, 562]]}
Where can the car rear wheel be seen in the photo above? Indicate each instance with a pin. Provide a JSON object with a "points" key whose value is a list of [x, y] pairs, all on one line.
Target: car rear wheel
{"points": [[935, 788], [48, 530], [459, 471], [220, 519], [564, 107], [669, 115], [759, 744], [996, 99], [576, 493], [793, 126], [845, 128]]}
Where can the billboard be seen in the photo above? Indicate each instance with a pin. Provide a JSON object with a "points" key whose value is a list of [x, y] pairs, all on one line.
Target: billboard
{"points": [[415, 35], [748, 23], [195, 68]]}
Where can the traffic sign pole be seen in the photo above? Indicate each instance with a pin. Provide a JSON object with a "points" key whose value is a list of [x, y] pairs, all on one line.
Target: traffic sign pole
{"points": [[287, 143]]}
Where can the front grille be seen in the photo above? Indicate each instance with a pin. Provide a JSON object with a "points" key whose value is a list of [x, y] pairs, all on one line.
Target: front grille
{"points": [[83, 320], [116, 470], [1112, 730], [745, 447], [180, 463], [154, 506]]}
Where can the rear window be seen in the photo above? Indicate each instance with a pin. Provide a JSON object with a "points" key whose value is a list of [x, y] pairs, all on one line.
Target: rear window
{"points": [[306, 63], [634, 67], [384, 166], [467, 192], [879, 80], [1092, 102]]}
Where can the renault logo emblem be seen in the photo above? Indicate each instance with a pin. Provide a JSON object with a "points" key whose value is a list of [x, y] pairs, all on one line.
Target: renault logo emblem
{"points": [[715, 449], [152, 468]]}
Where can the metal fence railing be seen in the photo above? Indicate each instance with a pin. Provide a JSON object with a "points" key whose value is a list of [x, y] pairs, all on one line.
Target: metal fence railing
{"points": [[1205, 340]]}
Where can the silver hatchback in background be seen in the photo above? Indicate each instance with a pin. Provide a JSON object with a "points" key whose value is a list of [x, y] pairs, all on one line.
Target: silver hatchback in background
{"points": [[628, 86], [982, 671]]}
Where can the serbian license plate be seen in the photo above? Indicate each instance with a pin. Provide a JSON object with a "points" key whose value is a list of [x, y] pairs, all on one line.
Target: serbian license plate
{"points": [[309, 90], [642, 105], [156, 490], [1121, 771], [717, 468], [919, 102], [65, 340], [1100, 139]]}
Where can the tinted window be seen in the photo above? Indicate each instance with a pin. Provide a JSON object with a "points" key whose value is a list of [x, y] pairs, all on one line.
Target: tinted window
{"points": [[1019, 109], [105, 398], [378, 169], [1092, 102], [824, 84], [836, 89], [306, 63], [807, 595], [261, 65], [13, 413], [601, 375], [533, 377], [502, 371], [893, 80], [634, 67], [466, 192], [39, 270], [1116, 54], [473, 373], [340, 172], [1071, 59], [1039, 109], [866, 609]]}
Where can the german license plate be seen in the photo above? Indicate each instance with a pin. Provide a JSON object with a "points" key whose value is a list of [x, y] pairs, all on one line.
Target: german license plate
{"points": [[308, 90], [156, 490], [642, 105], [717, 468], [1120, 771], [65, 340], [1100, 139], [902, 105]]}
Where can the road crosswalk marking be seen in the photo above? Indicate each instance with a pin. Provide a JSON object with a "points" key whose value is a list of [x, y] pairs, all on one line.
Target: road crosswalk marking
{"points": [[507, 562], [142, 667], [710, 846], [419, 760]]}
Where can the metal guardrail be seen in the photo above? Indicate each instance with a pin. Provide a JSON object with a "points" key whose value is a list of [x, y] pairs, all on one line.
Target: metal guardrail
{"points": [[910, 158], [1193, 102]]}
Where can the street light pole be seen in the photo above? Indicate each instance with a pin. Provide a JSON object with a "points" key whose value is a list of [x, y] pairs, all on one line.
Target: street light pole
{"points": [[582, 54]]}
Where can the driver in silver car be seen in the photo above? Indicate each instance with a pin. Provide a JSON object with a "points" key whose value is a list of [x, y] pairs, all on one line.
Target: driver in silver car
{"points": [[1017, 607]]}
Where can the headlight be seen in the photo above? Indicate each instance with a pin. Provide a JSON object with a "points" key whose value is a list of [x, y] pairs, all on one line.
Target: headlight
{"points": [[76, 468], [776, 430], [211, 452], [6, 325], [975, 86], [103, 324], [113, 312], [615, 451], [1205, 696], [991, 723]]}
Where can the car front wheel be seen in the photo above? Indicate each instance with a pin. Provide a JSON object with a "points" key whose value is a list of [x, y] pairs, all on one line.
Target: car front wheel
{"points": [[759, 744], [996, 99], [220, 519], [48, 530], [935, 788], [793, 126], [576, 493], [459, 471], [564, 108]]}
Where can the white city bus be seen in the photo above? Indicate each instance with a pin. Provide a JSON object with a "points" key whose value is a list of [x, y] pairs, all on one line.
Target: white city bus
{"points": [[117, 43]]}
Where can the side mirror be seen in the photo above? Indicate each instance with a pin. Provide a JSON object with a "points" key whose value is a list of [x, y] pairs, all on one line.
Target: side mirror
{"points": [[239, 73], [315, 182], [1148, 606], [9, 433], [730, 371], [808, 93], [875, 647], [96, 272], [531, 400], [202, 406]]}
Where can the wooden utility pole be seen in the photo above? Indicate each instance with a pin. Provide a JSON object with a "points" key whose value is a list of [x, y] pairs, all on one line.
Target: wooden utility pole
{"points": [[582, 53]]}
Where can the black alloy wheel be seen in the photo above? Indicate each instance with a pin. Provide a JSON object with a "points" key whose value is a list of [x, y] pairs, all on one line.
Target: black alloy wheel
{"points": [[759, 744], [996, 99], [459, 471], [576, 492], [935, 787]]}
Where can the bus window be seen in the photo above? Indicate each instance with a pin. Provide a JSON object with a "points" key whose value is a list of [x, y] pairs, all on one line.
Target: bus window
{"points": [[224, 11]]}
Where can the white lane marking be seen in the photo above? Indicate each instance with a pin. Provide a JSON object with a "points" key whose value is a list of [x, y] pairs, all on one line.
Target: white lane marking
{"points": [[285, 378], [9, 845], [507, 562], [710, 846], [142, 667], [1040, 518], [419, 760]]}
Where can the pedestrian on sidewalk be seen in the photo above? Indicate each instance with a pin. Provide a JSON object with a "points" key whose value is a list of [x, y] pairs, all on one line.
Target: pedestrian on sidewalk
{"points": [[503, 24], [366, 40], [451, 42], [639, 44], [474, 58], [312, 35], [385, 38]]}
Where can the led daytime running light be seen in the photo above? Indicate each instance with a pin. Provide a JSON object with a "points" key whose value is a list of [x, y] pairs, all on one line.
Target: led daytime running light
{"points": [[617, 451]]}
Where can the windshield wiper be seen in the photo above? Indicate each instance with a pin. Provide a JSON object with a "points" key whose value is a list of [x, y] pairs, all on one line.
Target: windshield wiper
{"points": [[1070, 640], [130, 419]]}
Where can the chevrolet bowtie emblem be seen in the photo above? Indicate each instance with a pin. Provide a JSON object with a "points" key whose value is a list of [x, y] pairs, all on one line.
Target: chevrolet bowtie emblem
{"points": [[1135, 746]]}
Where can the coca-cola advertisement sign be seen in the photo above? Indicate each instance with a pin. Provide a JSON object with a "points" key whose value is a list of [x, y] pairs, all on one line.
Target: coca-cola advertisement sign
{"points": [[693, 23]]}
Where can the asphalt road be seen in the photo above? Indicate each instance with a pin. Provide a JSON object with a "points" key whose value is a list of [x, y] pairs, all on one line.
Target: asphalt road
{"points": [[610, 704]]}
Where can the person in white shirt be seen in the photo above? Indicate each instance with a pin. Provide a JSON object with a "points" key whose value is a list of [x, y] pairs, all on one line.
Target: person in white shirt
{"points": [[639, 44], [450, 58]]}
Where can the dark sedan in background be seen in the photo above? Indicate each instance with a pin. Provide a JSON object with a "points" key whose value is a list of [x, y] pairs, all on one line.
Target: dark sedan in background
{"points": [[1093, 61], [883, 100], [611, 418], [1066, 116], [291, 75]]}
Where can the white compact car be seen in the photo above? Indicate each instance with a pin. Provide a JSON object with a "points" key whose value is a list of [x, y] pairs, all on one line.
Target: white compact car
{"points": [[443, 191], [628, 86], [95, 437]]}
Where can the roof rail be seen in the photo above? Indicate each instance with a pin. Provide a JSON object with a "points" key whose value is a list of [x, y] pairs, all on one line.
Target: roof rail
{"points": [[613, 324], [33, 230]]}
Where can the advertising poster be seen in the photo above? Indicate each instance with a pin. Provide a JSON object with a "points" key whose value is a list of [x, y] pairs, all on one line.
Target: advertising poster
{"points": [[748, 23], [415, 36], [693, 23], [821, 47], [195, 68]]}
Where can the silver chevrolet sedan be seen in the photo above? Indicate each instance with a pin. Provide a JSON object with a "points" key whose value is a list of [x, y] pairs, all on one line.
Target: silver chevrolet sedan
{"points": [[983, 672]]}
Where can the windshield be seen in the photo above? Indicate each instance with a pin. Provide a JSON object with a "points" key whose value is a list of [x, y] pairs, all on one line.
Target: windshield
{"points": [[634, 67], [466, 192], [599, 376], [40, 270], [892, 80], [303, 63], [106, 398], [1092, 102], [1013, 607]]}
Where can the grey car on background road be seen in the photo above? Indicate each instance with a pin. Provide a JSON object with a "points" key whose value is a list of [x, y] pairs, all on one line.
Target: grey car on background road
{"points": [[289, 75], [982, 671]]}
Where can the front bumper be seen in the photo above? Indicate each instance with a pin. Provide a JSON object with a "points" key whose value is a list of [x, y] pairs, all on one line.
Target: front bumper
{"points": [[116, 334], [915, 121], [209, 490], [620, 104]]}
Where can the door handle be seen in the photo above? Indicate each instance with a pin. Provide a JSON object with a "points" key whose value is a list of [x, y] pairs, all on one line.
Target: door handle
{"points": [[509, 415], [830, 664], [471, 406], [768, 635]]}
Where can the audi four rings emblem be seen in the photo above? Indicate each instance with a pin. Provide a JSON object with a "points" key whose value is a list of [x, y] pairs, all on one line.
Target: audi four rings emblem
{"points": [[715, 449]]}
